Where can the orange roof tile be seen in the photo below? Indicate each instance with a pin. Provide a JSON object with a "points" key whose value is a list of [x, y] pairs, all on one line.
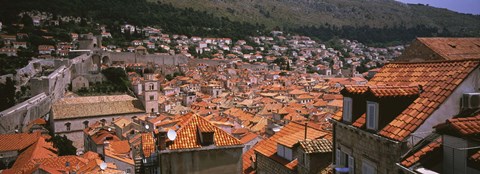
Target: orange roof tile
{"points": [[40, 149], [17, 142], [355, 89], [360, 122], [437, 79], [121, 147], [247, 158], [187, 134], [417, 156], [248, 137], [288, 135], [463, 126], [454, 48], [475, 158], [148, 144]]}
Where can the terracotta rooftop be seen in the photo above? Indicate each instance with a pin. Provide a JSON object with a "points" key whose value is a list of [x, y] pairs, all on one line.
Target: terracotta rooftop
{"points": [[316, 145], [187, 134], [439, 80], [383, 90], [248, 137], [148, 144], [356, 89], [469, 126], [288, 135], [419, 155], [39, 150], [360, 122], [475, 158], [17, 142], [77, 107], [453, 48], [393, 91]]}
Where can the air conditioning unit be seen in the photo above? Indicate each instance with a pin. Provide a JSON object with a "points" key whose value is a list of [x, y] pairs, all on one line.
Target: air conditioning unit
{"points": [[471, 101]]}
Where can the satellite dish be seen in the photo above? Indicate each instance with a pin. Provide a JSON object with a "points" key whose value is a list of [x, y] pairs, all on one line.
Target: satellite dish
{"points": [[147, 127], [109, 129], [103, 166], [171, 134], [276, 129]]}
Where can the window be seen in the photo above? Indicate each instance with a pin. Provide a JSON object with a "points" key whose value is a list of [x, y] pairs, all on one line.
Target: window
{"points": [[152, 97], [284, 152], [151, 87], [129, 171], [85, 123], [67, 125], [280, 150], [343, 160], [288, 154], [347, 109], [372, 115], [368, 167]]}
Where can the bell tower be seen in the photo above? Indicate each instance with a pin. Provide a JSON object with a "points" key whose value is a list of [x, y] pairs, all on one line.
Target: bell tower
{"points": [[150, 86]]}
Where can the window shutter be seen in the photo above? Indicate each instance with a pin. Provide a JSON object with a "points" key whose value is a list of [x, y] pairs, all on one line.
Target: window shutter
{"points": [[337, 157], [371, 116], [351, 165]]}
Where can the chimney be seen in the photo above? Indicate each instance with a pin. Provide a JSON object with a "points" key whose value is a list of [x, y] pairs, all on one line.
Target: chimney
{"points": [[162, 140], [306, 130]]}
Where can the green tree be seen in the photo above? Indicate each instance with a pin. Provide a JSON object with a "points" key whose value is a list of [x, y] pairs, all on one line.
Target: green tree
{"points": [[64, 145], [7, 94]]}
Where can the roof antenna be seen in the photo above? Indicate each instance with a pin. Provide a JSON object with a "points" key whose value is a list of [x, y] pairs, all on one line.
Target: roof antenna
{"points": [[306, 130]]}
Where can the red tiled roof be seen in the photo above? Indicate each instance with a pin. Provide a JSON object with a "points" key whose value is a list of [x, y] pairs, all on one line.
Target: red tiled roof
{"points": [[248, 137], [338, 115], [187, 134], [120, 147], [39, 150], [439, 80], [464, 126], [356, 89], [247, 158], [17, 142], [148, 144], [288, 135], [360, 122], [417, 156], [454, 48], [383, 90], [475, 158], [393, 91]]}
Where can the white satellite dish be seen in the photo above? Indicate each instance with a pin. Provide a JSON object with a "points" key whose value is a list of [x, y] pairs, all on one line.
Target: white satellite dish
{"points": [[103, 166], [171, 134], [276, 129], [109, 129], [147, 127]]}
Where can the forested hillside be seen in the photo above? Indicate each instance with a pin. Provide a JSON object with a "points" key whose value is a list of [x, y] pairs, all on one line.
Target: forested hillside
{"points": [[368, 21]]}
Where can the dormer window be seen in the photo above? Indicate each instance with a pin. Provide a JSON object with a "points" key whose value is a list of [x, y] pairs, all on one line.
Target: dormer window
{"points": [[372, 115], [347, 109], [284, 152]]}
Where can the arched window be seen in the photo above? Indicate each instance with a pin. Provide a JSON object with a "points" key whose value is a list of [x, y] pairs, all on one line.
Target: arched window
{"points": [[85, 123], [151, 86], [67, 125]]}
